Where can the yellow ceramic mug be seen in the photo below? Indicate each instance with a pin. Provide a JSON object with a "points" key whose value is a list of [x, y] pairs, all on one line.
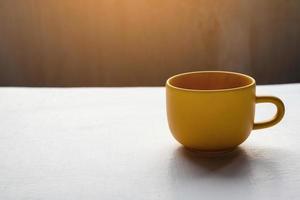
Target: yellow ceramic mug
{"points": [[214, 110]]}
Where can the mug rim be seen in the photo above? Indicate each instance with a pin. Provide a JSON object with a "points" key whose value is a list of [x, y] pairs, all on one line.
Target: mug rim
{"points": [[212, 90]]}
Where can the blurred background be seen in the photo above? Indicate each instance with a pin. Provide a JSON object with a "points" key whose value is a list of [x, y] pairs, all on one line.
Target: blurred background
{"points": [[143, 42]]}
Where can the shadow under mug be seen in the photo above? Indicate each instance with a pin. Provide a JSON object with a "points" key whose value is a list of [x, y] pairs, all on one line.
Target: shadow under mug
{"points": [[214, 110]]}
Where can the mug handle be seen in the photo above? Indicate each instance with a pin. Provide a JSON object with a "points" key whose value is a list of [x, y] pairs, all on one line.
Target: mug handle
{"points": [[279, 113]]}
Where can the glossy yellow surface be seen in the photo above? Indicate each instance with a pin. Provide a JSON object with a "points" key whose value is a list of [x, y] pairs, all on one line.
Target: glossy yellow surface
{"points": [[214, 110]]}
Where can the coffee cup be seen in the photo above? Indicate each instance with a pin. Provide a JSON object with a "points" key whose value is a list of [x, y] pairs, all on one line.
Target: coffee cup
{"points": [[214, 110]]}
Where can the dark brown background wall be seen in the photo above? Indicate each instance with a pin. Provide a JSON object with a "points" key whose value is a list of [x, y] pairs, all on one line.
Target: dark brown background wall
{"points": [[142, 42]]}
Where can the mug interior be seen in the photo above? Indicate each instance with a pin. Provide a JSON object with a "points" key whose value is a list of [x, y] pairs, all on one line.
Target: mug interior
{"points": [[210, 80]]}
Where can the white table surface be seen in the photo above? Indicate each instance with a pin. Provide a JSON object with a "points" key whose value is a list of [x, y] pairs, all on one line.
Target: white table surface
{"points": [[114, 143]]}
